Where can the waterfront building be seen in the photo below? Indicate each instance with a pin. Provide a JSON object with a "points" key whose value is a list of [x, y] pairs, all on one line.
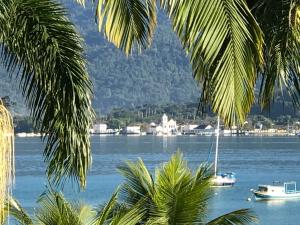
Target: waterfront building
{"points": [[132, 130], [100, 128], [204, 130], [188, 128], [166, 127]]}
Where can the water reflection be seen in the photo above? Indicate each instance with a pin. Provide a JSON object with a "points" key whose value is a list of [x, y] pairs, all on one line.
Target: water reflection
{"points": [[277, 202], [165, 143]]}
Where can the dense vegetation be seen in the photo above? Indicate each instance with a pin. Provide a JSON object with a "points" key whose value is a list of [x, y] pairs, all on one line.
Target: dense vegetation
{"points": [[283, 115], [161, 74], [186, 113]]}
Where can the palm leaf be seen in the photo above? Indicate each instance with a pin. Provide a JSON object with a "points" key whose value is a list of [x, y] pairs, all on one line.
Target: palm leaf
{"points": [[280, 22], [105, 212], [225, 46], [16, 211], [42, 45], [179, 196], [132, 217], [54, 209], [127, 23], [239, 217], [138, 182]]}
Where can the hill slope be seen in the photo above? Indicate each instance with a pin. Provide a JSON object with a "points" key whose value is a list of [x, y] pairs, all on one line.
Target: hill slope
{"points": [[159, 75]]}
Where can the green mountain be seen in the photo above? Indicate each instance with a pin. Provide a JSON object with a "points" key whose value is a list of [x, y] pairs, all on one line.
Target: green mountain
{"points": [[158, 75]]}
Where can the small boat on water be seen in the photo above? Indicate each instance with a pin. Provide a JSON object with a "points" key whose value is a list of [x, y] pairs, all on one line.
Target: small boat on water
{"points": [[286, 190], [225, 179]]}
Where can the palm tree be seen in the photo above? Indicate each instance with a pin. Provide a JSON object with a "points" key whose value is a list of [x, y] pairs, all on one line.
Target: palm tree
{"points": [[41, 47], [232, 45], [6, 155], [175, 196], [54, 209]]}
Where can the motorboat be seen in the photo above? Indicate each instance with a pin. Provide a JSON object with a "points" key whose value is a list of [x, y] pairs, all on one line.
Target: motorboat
{"points": [[223, 179], [278, 190]]}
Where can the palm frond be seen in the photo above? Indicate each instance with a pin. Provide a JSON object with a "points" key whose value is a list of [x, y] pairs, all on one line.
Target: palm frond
{"points": [[225, 47], [81, 2], [203, 173], [55, 209], [127, 23], [179, 197], [138, 182], [105, 212], [280, 23], [239, 217], [16, 211], [43, 46], [132, 217]]}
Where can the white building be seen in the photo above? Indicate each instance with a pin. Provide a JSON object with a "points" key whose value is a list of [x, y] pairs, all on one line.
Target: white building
{"points": [[188, 128], [166, 127], [153, 128], [132, 130], [204, 130], [100, 128]]}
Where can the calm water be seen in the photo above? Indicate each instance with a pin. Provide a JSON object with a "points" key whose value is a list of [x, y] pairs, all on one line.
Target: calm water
{"points": [[255, 160]]}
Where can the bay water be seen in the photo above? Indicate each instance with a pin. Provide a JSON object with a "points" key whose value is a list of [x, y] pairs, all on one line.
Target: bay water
{"points": [[255, 160]]}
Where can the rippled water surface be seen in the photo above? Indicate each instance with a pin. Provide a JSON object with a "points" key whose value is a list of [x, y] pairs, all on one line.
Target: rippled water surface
{"points": [[255, 160]]}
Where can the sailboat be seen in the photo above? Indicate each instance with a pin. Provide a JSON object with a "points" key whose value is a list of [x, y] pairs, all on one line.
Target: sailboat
{"points": [[225, 179]]}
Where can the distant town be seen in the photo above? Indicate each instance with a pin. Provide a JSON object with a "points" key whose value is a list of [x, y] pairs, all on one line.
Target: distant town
{"points": [[179, 119], [171, 122], [169, 127]]}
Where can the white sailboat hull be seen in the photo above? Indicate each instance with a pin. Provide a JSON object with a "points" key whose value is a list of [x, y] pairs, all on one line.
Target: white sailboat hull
{"points": [[223, 181]]}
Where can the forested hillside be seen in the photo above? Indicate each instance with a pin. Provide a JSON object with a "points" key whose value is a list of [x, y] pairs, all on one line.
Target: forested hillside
{"points": [[159, 75]]}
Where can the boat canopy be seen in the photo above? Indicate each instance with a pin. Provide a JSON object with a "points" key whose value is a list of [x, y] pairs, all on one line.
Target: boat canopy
{"points": [[263, 188], [290, 187], [228, 175]]}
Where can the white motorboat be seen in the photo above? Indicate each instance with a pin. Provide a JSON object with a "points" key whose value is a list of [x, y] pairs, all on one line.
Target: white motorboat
{"points": [[286, 190], [225, 179]]}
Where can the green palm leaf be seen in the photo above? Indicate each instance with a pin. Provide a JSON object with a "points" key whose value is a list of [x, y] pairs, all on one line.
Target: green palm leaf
{"points": [[16, 211], [179, 196], [105, 212], [42, 45], [127, 23], [114, 214], [138, 182], [131, 217], [280, 23], [225, 47], [55, 210], [239, 217]]}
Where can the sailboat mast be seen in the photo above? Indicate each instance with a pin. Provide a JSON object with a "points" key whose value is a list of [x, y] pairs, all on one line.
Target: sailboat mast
{"points": [[217, 146]]}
